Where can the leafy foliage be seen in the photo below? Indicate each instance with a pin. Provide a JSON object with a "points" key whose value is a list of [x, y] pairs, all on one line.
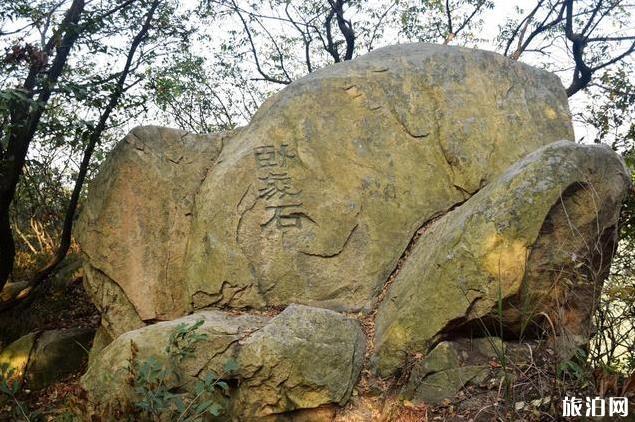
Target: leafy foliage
{"points": [[149, 379]]}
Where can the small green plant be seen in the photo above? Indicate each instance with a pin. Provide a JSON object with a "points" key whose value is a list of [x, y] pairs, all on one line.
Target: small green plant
{"points": [[183, 340], [149, 379], [575, 367]]}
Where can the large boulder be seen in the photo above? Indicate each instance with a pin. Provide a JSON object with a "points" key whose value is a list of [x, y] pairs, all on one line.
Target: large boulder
{"points": [[538, 241], [300, 359], [317, 198], [133, 230]]}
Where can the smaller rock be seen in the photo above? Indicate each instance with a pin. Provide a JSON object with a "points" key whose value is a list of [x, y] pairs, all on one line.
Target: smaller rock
{"points": [[58, 353], [108, 376], [303, 358], [15, 357], [449, 367], [43, 358]]}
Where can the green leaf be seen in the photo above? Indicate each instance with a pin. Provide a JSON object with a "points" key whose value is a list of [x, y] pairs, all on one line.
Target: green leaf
{"points": [[4, 387], [215, 409], [223, 385], [230, 366], [199, 388], [16, 386], [202, 407], [180, 406]]}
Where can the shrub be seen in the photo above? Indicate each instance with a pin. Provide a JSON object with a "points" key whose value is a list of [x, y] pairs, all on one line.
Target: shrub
{"points": [[157, 401]]}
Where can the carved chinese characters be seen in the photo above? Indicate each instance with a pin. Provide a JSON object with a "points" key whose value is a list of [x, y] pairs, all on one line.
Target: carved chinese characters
{"points": [[276, 187]]}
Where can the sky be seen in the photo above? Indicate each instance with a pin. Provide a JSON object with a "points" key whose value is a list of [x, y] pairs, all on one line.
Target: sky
{"points": [[492, 19]]}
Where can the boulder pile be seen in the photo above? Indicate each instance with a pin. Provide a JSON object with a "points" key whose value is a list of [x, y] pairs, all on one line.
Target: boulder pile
{"points": [[396, 205]]}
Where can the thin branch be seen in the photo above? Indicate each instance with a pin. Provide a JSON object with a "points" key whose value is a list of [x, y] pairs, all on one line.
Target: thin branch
{"points": [[525, 22], [275, 44], [541, 28], [614, 60], [16, 31], [254, 51], [306, 38], [596, 9], [379, 21], [467, 20], [604, 39]]}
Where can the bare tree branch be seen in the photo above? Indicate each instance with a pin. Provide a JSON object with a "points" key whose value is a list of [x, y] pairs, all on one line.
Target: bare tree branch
{"points": [[254, 52], [378, 24], [306, 38], [93, 138], [616, 59], [467, 20], [541, 28], [524, 24]]}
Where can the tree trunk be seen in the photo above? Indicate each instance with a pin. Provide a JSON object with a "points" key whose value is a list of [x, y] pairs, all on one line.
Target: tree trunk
{"points": [[93, 139], [25, 117]]}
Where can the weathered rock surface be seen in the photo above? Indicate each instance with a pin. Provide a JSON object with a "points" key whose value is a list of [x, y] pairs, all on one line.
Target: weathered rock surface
{"points": [[450, 366], [317, 198], [43, 358], [549, 219], [303, 358], [454, 364], [108, 375], [415, 188], [118, 314], [133, 230], [15, 357]]}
